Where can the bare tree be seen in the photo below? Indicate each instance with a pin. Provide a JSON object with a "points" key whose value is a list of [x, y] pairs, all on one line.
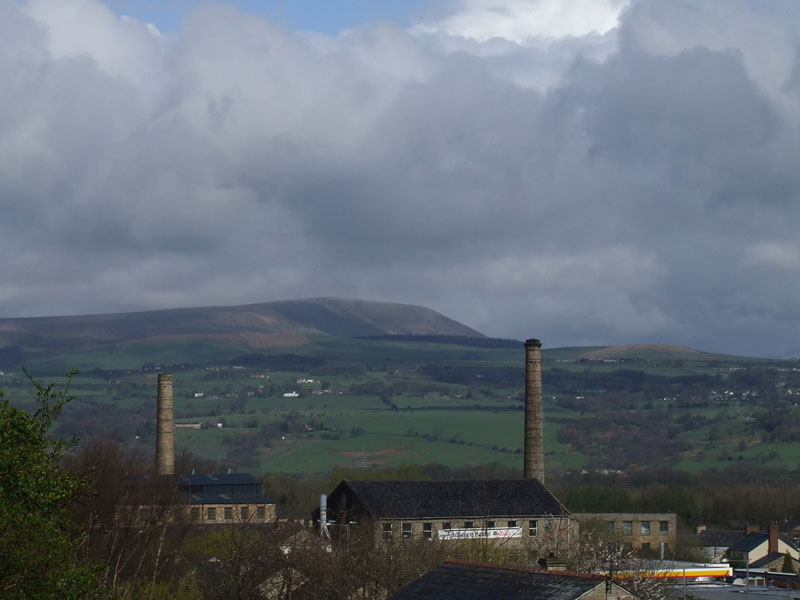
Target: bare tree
{"points": [[135, 522], [591, 553]]}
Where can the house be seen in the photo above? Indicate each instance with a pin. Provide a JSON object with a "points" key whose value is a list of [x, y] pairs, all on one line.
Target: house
{"points": [[521, 512], [792, 529], [713, 544], [756, 546], [462, 580]]}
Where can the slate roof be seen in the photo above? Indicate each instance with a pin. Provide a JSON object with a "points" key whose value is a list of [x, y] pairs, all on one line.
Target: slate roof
{"points": [[752, 540], [719, 537], [790, 525], [222, 488], [207, 488], [749, 542], [765, 561], [445, 499], [460, 580]]}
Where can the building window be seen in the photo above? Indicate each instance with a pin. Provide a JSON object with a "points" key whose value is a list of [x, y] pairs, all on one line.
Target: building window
{"points": [[406, 530], [533, 528], [490, 525], [261, 513], [609, 527], [663, 527], [645, 528], [229, 513], [646, 546], [195, 513], [244, 513], [387, 531], [512, 523], [469, 524], [548, 525], [427, 531], [627, 547], [447, 526], [212, 514], [627, 527]]}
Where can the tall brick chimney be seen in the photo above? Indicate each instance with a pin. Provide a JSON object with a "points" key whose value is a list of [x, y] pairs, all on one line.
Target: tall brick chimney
{"points": [[534, 437], [165, 447], [773, 537]]}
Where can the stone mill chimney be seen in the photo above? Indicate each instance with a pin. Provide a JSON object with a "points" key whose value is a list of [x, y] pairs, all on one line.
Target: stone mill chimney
{"points": [[534, 436], [165, 447]]}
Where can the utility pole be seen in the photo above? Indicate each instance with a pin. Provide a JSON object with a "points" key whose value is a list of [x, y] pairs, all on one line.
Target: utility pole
{"points": [[612, 548], [684, 583], [747, 579]]}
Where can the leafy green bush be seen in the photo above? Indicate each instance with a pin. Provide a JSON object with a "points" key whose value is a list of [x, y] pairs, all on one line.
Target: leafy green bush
{"points": [[39, 537]]}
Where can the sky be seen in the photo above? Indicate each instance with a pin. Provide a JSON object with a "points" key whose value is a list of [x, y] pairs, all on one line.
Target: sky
{"points": [[587, 172]]}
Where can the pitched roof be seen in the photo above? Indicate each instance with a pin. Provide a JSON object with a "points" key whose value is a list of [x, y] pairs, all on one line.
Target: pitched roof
{"points": [[766, 560], [222, 488], [749, 542], [443, 499], [461, 580], [206, 488], [719, 537], [753, 540], [790, 525]]}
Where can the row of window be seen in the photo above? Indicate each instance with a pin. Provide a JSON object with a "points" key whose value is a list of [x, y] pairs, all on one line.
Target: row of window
{"points": [[244, 513], [646, 546], [644, 527], [627, 547], [427, 528]]}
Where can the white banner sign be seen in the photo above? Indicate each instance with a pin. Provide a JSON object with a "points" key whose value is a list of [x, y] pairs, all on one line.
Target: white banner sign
{"points": [[480, 534]]}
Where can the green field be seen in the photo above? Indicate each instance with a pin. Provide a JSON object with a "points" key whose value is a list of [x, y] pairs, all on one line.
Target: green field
{"points": [[391, 402]]}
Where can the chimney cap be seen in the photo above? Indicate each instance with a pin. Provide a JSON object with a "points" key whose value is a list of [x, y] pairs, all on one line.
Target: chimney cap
{"points": [[533, 342]]}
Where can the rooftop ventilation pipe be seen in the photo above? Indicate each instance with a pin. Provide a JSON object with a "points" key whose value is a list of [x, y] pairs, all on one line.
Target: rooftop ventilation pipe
{"points": [[323, 516]]}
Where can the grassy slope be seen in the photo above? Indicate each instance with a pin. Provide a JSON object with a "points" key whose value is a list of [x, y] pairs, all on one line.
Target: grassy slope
{"points": [[331, 316], [468, 435]]}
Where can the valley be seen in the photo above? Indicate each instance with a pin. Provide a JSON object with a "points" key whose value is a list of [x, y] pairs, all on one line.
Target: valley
{"points": [[381, 402]]}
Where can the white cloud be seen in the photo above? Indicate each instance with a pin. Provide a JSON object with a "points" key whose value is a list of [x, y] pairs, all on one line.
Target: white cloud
{"points": [[122, 47], [639, 185], [521, 20], [762, 35]]}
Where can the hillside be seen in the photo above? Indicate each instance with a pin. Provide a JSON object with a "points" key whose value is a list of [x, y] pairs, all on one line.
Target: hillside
{"points": [[313, 385], [640, 351], [253, 326]]}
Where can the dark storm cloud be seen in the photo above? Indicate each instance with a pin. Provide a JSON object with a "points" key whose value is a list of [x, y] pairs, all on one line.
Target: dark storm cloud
{"points": [[633, 184]]}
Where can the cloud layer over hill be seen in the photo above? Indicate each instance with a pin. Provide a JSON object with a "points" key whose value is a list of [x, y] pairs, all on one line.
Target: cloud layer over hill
{"points": [[618, 173]]}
